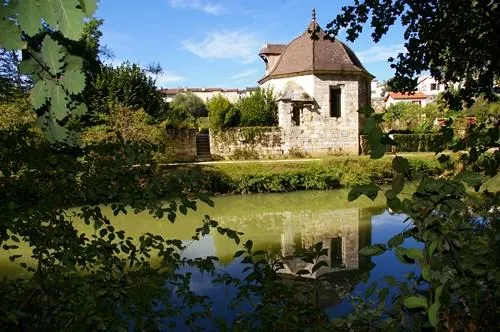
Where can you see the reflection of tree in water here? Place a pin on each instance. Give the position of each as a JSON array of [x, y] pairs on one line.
[[284, 234]]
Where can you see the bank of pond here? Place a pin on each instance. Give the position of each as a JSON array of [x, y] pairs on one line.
[[281, 225]]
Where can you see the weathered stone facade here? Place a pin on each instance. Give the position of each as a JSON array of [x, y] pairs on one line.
[[181, 144], [251, 142]]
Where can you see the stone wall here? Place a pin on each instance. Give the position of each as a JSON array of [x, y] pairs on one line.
[[246, 142], [181, 144]]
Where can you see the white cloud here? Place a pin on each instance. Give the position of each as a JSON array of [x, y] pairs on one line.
[[167, 77], [236, 45], [379, 53], [245, 74], [207, 7]]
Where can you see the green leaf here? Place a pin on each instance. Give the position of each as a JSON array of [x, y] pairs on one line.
[[73, 63], [29, 16], [401, 165], [433, 314], [373, 250], [471, 178], [370, 190], [89, 7], [238, 253], [27, 66], [438, 292], [434, 244], [40, 94], [73, 81], [416, 254], [58, 103], [398, 183], [414, 302], [396, 240], [371, 289], [400, 252], [10, 36], [52, 54], [390, 280], [426, 272], [70, 18]]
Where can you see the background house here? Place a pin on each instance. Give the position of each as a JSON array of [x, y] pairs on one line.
[[397, 97], [206, 93]]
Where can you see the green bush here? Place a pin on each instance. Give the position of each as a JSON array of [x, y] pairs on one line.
[[189, 103], [233, 118], [410, 143], [132, 125], [258, 109], [218, 107], [411, 117]]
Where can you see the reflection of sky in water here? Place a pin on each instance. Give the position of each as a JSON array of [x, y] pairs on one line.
[[383, 227]]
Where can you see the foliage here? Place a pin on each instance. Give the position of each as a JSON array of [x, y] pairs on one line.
[[485, 111], [12, 84], [129, 85], [458, 234], [189, 103], [218, 107], [455, 41], [258, 109], [130, 124], [411, 117], [56, 73], [232, 118]]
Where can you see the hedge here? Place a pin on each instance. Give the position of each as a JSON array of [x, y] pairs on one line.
[[409, 143]]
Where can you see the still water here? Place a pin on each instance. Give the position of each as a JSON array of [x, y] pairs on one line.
[[280, 224]]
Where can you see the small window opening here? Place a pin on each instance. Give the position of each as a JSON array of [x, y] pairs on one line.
[[434, 86], [335, 103], [296, 115], [336, 252]]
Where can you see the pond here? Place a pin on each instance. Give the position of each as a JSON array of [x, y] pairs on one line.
[[281, 224]]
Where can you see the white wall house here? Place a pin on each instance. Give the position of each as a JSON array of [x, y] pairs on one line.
[[429, 86], [206, 93], [415, 98], [321, 85]]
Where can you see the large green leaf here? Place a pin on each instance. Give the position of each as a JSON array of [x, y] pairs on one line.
[[89, 7], [370, 190], [70, 18], [52, 54], [73, 81], [58, 107], [10, 35], [401, 165], [29, 16], [414, 302], [374, 250], [396, 240], [40, 94], [73, 62], [433, 314], [470, 178]]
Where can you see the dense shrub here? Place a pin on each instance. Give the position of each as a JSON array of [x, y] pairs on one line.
[[484, 110], [258, 109], [189, 103], [233, 118], [410, 143], [131, 124], [218, 107], [411, 117]]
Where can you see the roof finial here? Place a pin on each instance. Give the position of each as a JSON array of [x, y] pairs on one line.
[[314, 15]]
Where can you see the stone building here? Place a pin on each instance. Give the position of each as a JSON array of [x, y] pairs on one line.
[[321, 85]]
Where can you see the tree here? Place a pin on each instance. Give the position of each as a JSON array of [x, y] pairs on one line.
[[258, 109], [218, 107], [189, 103], [129, 85], [456, 40]]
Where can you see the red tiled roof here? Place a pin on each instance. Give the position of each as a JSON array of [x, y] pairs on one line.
[[400, 95]]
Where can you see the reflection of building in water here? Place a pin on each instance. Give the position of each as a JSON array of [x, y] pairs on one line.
[[343, 232]]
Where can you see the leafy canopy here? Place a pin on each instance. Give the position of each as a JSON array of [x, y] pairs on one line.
[[456, 40]]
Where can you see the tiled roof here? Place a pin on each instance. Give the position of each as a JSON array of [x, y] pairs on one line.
[[173, 91], [399, 95], [273, 49], [313, 51]]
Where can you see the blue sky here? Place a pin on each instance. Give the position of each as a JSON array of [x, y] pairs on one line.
[[215, 43]]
